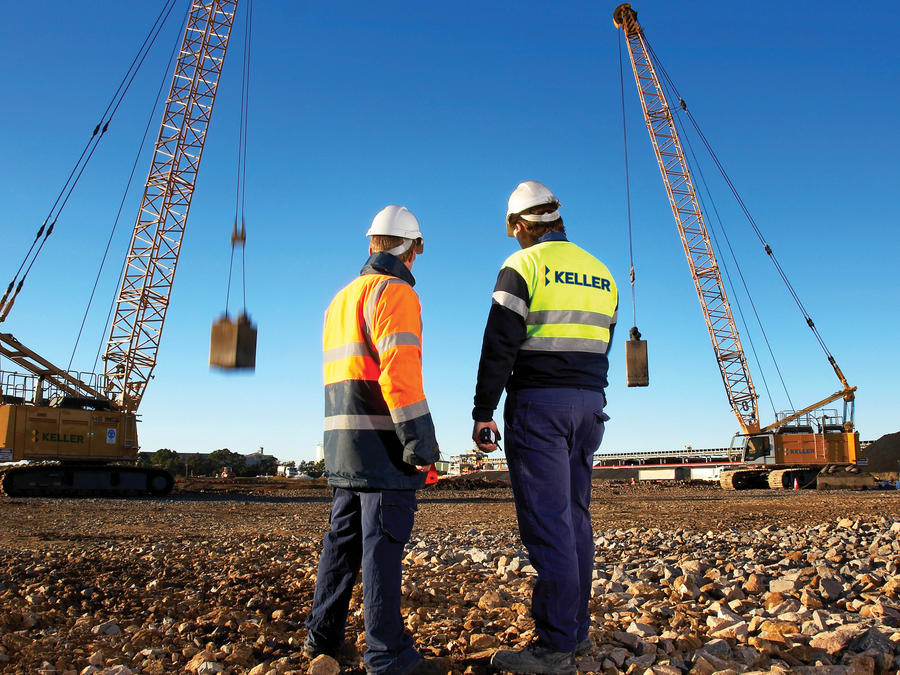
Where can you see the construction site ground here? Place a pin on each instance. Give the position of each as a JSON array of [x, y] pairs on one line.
[[223, 570]]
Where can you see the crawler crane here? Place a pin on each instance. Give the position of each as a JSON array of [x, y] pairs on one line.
[[79, 431], [802, 447]]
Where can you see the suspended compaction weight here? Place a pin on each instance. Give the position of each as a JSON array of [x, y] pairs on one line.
[[232, 343], [637, 369]]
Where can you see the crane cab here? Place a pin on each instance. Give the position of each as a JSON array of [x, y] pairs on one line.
[[809, 440], [51, 425]]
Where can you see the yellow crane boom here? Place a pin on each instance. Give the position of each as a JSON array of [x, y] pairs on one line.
[[156, 241], [691, 226]]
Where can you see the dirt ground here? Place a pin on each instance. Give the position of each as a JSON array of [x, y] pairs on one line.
[[255, 507], [231, 543]]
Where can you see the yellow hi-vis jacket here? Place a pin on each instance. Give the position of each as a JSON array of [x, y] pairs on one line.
[[377, 423], [551, 322]]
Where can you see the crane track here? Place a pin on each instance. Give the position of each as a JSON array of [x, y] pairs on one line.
[[84, 480], [799, 477], [743, 479]]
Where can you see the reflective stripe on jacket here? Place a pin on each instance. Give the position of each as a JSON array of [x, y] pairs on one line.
[[377, 423], [551, 322]]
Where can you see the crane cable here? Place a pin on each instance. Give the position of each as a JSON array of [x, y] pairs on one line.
[[740, 273], [718, 220], [635, 333], [46, 228], [128, 185], [715, 242], [757, 231], [239, 236]]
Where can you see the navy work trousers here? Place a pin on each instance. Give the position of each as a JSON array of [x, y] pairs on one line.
[[368, 529], [551, 436]]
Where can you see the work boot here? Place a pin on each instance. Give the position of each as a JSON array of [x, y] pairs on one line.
[[427, 667], [346, 654], [584, 647], [422, 666], [534, 659]]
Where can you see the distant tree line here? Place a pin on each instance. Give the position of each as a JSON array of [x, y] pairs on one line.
[[195, 464], [310, 468]]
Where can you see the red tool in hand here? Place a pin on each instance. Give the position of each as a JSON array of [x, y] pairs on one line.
[[432, 476]]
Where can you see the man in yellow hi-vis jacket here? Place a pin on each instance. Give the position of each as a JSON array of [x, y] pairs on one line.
[[547, 336], [379, 444]]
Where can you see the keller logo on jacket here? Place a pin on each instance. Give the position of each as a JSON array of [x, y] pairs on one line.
[[576, 279]]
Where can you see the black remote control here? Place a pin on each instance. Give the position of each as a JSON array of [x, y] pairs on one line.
[[486, 436]]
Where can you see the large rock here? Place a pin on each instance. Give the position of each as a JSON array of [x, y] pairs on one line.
[[831, 587], [783, 585], [755, 584], [324, 665], [832, 641], [106, 628], [490, 600]]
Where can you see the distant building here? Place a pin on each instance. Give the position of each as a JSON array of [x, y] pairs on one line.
[[473, 461], [256, 457]]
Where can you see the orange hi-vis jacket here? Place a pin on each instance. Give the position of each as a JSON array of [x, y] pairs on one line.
[[377, 424]]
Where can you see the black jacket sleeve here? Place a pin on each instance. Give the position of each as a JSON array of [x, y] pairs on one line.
[[503, 335]]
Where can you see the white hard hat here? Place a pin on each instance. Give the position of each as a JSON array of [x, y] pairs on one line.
[[397, 221], [528, 195]]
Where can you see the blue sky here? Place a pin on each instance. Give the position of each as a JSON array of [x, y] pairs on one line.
[[445, 108]]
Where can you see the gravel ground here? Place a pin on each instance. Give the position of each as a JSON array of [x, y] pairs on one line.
[[219, 578]]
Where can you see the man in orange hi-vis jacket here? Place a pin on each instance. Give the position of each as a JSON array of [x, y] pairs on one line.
[[379, 445]]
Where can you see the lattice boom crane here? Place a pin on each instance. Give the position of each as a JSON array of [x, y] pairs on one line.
[[156, 242], [793, 453], [88, 425], [689, 218]]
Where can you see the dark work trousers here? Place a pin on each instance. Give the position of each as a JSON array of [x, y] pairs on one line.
[[368, 529], [551, 436]]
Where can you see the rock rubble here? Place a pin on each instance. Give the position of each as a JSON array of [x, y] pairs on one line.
[[119, 588]]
